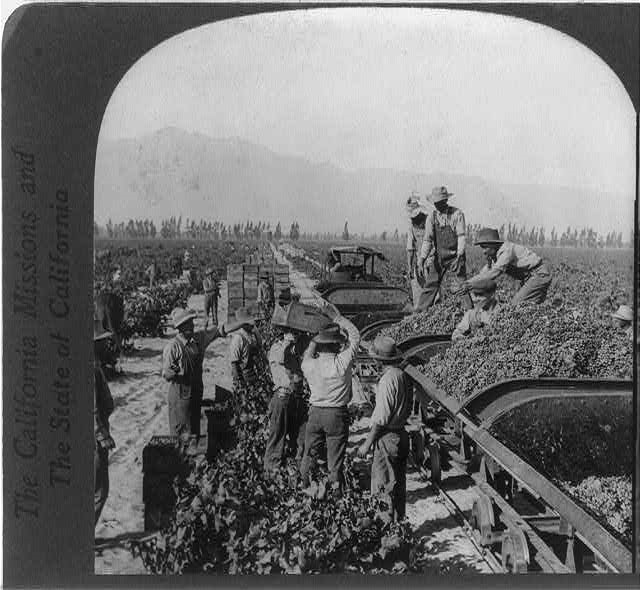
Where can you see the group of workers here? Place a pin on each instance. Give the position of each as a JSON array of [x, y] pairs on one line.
[[317, 430]]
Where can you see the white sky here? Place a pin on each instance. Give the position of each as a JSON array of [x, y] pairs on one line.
[[420, 90]]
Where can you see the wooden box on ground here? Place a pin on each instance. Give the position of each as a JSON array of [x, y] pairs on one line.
[[300, 317], [162, 462]]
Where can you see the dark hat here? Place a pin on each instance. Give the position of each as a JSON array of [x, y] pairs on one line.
[[488, 236], [99, 333], [245, 316], [439, 193], [384, 349], [330, 335]]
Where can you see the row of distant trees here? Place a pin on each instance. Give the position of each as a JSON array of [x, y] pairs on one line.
[[174, 228]]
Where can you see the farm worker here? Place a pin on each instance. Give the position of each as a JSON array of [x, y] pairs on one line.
[[151, 273], [101, 411], [327, 365], [443, 247], [176, 265], [287, 408], [265, 295], [211, 294], [418, 216], [390, 440], [182, 361], [623, 319], [333, 262], [245, 351], [485, 306], [516, 261]]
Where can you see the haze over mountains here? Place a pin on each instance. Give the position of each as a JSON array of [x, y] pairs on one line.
[[174, 172]]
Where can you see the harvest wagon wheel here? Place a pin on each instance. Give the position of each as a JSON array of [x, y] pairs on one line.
[[515, 552], [434, 462], [482, 519]]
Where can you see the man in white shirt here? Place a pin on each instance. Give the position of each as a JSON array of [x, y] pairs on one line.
[[394, 400], [327, 366], [516, 261], [623, 319]]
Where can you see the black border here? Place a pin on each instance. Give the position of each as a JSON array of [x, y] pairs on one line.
[[60, 66]]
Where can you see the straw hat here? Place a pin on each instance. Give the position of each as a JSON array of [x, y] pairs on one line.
[[330, 335], [414, 207], [180, 315], [488, 236], [439, 193], [384, 349], [99, 333], [624, 313]]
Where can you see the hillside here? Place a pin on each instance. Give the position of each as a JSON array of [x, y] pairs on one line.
[[173, 172]]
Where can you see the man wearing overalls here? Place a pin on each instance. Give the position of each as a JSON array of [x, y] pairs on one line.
[[443, 248]]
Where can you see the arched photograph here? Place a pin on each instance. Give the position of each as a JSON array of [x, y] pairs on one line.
[[364, 300]]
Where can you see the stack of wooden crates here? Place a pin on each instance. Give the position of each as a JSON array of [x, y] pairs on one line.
[[242, 283]]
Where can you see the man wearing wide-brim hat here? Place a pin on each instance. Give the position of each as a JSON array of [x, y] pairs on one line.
[[245, 350], [623, 319], [418, 216], [182, 361], [288, 410], [485, 307], [518, 262], [443, 247], [394, 400], [327, 365], [211, 294], [103, 408]]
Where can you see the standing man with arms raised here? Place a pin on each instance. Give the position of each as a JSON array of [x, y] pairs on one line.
[[394, 400], [327, 365], [443, 247]]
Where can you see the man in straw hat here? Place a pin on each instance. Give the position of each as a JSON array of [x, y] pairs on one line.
[[327, 365], [394, 400], [287, 408], [443, 247], [623, 319], [485, 306], [516, 261], [211, 294], [245, 350], [182, 361], [102, 410], [418, 216]]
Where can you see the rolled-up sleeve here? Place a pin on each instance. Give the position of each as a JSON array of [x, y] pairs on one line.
[[345, 359], [385, 393], [171, 357]]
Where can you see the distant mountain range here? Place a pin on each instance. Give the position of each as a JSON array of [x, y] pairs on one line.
[[174, 172]]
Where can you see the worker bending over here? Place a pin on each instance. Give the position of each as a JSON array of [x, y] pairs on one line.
[[517, 262], [485, 306]]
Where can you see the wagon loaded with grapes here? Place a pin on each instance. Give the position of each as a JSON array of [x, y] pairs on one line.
[[549, 458]]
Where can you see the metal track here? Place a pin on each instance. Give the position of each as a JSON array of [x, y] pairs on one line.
[[604, 545]]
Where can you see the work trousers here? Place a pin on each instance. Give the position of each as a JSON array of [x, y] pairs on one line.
[[534, 287], [389, 471], [287, 427], [329, 426], [179, 405], [433, 280], [101, 479], [211, 305], [195, 405]]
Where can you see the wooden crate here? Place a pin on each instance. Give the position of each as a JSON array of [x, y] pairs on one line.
[[235, 271], [251, 269], [235, 291]]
